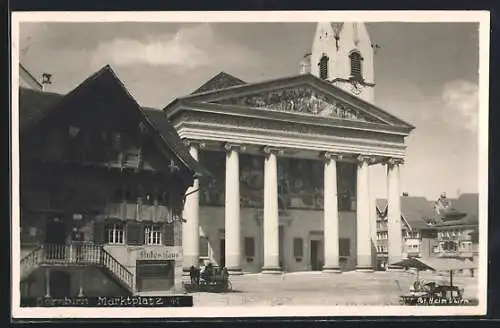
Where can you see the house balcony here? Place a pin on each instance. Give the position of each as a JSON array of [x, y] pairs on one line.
[[137, 211], [77, 254], [413, 253], [456, 254]]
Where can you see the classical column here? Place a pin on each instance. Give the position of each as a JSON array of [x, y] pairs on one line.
[[47, 282], [271, 212], [232, 209], [190, 228], [331, 214], [373, 220], [363, 214], [395, 238]]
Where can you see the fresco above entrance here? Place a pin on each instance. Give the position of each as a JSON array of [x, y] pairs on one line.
[[300, 182]]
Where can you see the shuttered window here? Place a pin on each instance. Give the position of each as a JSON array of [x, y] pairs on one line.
[[356, 60], [249, 246], [135, 233], [344, 247], [99, 232], [169, 234], [298, 247], [323, 67], [204, 247], [117, 142]]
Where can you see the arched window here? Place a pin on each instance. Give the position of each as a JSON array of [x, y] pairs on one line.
[[323, 67], [356, 69]]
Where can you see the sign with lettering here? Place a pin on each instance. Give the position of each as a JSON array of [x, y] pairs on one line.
[[159, 253]]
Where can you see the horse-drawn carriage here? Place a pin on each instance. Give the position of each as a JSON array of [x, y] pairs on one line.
[[209, 279]]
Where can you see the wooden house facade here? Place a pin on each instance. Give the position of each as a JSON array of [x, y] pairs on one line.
[[102, 185]]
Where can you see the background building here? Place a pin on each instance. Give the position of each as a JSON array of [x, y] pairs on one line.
[[456, 234], [444, 228], [416, 212]]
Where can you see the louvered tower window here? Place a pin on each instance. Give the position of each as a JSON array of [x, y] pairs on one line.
[[356, 60], [323, 67]]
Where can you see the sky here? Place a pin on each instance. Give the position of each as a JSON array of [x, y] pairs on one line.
[[425, 73]]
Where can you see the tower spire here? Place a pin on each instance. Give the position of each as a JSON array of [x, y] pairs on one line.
[[342, 54]]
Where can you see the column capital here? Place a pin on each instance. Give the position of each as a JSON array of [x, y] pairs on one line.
[[194, 143], [233, 146], [272, 150], [364, 159], [327, 156], [393, 161]]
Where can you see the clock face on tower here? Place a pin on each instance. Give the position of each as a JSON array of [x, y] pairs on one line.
[[356, 88]]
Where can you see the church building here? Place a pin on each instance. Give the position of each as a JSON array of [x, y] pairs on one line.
[[290, 160]]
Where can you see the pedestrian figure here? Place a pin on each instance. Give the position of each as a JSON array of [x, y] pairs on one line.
[[77, 242], [192, 274]]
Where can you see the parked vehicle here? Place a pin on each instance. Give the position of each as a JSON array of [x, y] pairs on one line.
[[210, 279], [433, 294]]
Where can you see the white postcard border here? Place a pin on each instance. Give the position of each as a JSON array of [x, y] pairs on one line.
[[481, 17]]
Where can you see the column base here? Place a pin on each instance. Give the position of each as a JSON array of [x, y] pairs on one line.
[[272, 270], [235, 272], [365, 269], [331, 269]]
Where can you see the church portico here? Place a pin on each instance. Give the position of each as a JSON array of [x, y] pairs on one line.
[[291, 162], [269, 233]]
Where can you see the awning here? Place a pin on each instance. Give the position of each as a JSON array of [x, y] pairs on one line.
[[438, 264]]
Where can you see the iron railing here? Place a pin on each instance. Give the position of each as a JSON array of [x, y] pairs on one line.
[[30, 262], [77, 253]]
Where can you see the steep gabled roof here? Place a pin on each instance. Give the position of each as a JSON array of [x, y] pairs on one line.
[[35, 107], [415, 210], [24, 73], [56, 103], [468, 205], [161, 124], [220, 81]]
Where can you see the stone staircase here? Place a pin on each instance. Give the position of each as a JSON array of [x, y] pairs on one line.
[[82, 254]]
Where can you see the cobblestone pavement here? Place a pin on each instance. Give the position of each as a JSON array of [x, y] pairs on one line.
[[317, 288]]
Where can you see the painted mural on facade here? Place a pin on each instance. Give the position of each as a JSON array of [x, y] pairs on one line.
[[300, 182]]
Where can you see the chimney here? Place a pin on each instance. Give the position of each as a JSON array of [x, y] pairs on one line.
[[46, 80]]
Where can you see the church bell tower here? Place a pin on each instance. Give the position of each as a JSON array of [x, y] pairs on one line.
[[342, 54]]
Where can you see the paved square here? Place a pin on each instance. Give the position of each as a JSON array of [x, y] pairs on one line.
[[317, 288]]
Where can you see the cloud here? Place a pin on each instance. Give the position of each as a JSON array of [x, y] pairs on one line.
[[461, 101], [190, 47]]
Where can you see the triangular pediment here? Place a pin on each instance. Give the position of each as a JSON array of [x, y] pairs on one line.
[[303, 95]]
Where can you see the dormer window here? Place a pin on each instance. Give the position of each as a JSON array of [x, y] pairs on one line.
[[73, 131], [356, 69], [323, 67]]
